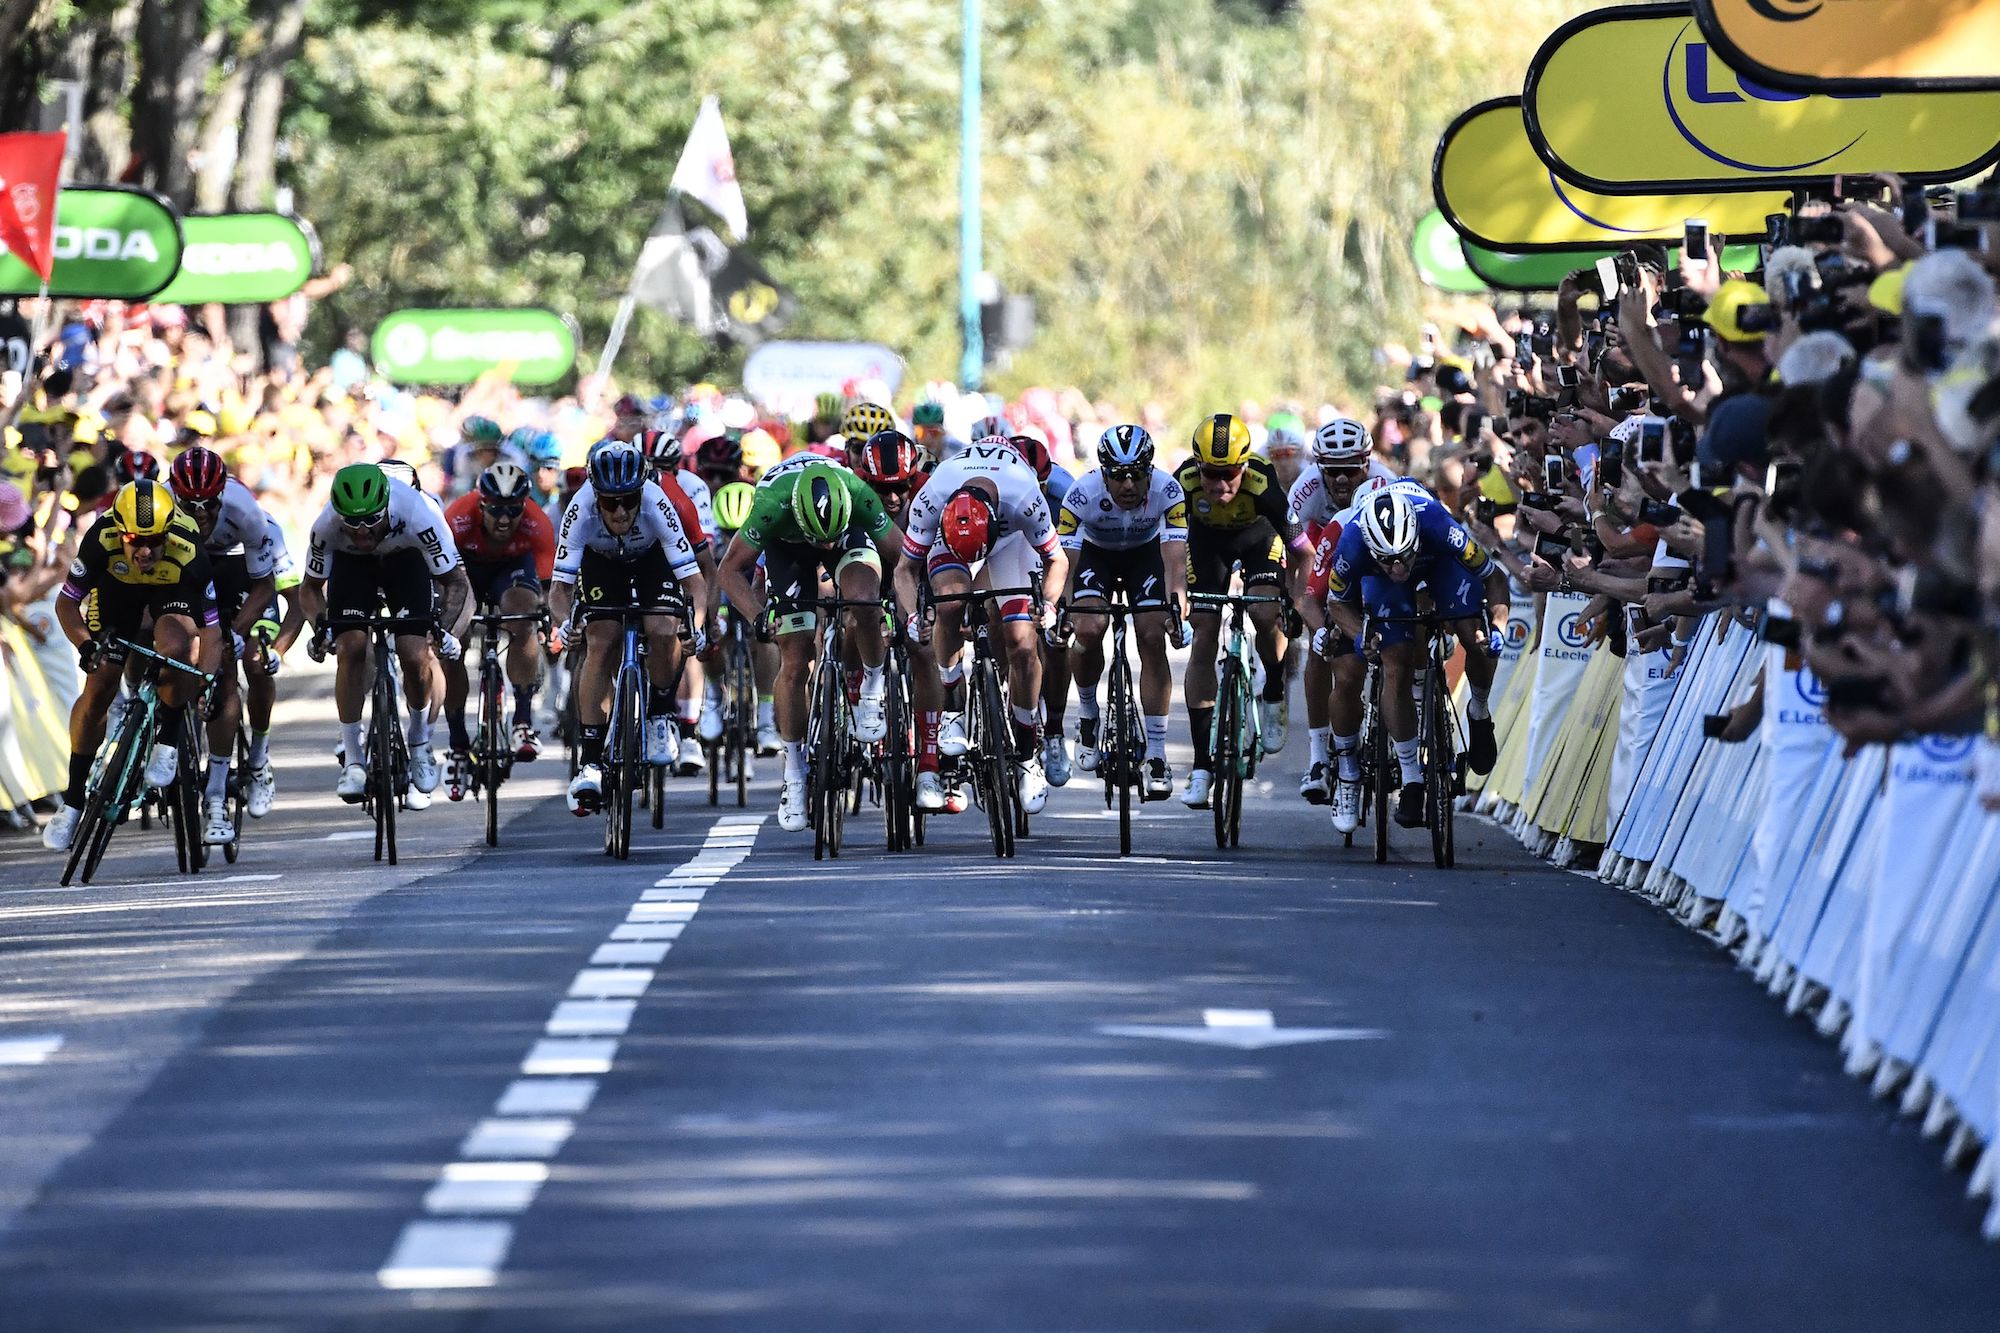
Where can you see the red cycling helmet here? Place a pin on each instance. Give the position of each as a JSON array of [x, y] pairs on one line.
[[198, 474], [662, 449], [889, 458], [967, 525], [1034, 453], [628, 407], [135, 465]]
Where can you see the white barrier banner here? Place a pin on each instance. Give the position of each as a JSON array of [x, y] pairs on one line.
[[1650, 679], [1565, 652]]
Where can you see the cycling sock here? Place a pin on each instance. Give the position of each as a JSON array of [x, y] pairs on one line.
[[218, 780], [1406, 756], [524, 705], [795, 761], [1086, 701], [1475, 703], [590, 745], [659, 703], [1027, 730], [928, 720], [454, 721], [1319, 738], [419, 731], [79, 779], [1202, 722], [873, 682], [1347, 749], [1156, 737], [1274, 686], [260, 748], [767, 711], [169, 733], [350, 742]]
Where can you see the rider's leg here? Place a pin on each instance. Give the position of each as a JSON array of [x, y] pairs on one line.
[[1399, 707], [1199, 683], [593, 686], [350, 689], [456, 688], [414, 651], [861, 580], [87, 718], [1343, 712], [1479, 666], [260, 696], [1156, 679], [795, 654], [1270, 648], [522, 669], [222, 733], [1316, 680], [1024, 682]]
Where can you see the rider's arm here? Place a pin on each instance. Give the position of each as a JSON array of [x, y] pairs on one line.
[[457, 613], [262, 590], [69, 616], [734, 574], [562, 601]]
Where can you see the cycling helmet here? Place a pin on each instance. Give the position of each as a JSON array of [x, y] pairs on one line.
[[545, 450], [829, 407], [135, 465], [1342, 440], [360, 490], [523, 438], [1221, 441], [993, 442], [821, 505], [732, 505], [721, 454], [991, 425], [198, 474], [479, 430], [628, 407], [889, 458], [617, 469], [930, 412], [1125, 446], [505, 482], [142, 508], [396, 469], [865, 419], [966, 526], [1034, 453], [661, 448], [1284, 435], [1389, 525]]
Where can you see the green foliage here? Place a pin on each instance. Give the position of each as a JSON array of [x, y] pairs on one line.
[[1206, 203]]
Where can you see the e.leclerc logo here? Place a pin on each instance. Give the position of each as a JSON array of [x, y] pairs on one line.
[[1811, 688], [1946, 749], [1570, 630], [1694, 102]]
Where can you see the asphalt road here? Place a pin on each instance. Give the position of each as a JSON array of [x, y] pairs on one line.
[[722, 1087]]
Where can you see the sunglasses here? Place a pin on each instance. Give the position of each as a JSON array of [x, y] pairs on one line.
[[505, 510], [364, 524], [1127, 473], [201, 506], [1221, 473], [618, 503]]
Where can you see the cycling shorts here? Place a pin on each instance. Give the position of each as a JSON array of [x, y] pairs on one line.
[[360, 585], [491, 578], [232, 584], [645, 580], [1140, 572], [1012, 563], [1456, 594], [1214, 552], [123, 608], [792, 570]]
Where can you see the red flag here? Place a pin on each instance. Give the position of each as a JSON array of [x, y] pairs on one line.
[[30, 167]]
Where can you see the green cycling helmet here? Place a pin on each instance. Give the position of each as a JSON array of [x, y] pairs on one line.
[[732, 505], [479, 430], [360, 490], [821, 505], [930, 412]]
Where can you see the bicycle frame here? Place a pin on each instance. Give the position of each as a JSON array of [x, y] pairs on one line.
[[1120, 738], [496, 758], [624, 736], [1237, 737], [988, 720], [1437, 736], [388, 751]]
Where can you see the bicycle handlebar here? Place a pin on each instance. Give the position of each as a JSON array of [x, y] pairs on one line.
[[140, 650], [677, 608], [981, 594], [388, 624]]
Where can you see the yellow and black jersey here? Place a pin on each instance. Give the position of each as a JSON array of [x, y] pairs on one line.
[[102, 559], [1261, 496]]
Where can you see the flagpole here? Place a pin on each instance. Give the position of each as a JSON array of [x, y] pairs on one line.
[[973, 362], [35, 327], [623, 319]]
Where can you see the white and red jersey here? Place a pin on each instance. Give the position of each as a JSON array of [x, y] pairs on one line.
[[1021, 507], [1311, 503]]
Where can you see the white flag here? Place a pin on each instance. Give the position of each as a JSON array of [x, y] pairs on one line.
[[708, 173]]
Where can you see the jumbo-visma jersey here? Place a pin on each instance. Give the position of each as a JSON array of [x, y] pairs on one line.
[[1440, 539], [101, 558]]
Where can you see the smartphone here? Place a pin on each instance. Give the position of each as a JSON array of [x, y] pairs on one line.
[[1694, 477], [1757, 317], [1475, 426], [1694, 243], [1777, 229], [1593, 349], [1780, 631], [1552, 549], [1627, 399], [1524, 355], [1949, 236], [1714, 724], [1611, 465], [1627, 266], [1782, 475], [1861, 189], [1568, 377], [1658, 513], [1926, 349], [1553, 474], [1818, 231], [1607, 276], [1972, 206], [1652, 442], [1853, 693]]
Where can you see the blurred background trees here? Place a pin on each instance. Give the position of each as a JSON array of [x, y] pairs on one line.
[[1208, 199]]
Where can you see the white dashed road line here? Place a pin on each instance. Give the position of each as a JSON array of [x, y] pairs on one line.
[[504, 1160], [29, 1050]]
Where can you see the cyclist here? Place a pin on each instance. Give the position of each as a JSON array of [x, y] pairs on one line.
[[624, 542], [1125, 526], [861, 423], [1343, 456], [628, 417], [719, 462], [1055, 482], [927, 425], [982, 520], [381, 542], [480, 445], [235, 534], [142, 558], [1396, 543], [509, 550], [1284, 443], [1237, 517], [732, 506], [662, 449], [807, 518]]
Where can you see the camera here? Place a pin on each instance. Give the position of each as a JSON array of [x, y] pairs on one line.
[[1818, 231], [1658, 513], [1757, 317], [1780, 631], [1950, 236], [1981, 205]]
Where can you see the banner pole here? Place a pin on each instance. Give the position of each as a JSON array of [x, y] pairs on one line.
[[623, 319]]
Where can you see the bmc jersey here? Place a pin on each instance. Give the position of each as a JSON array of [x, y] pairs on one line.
[[1441, 540], [1090, 514], [1021, 508], [240, 530], [415, 524], [532, 536], [657, 522]]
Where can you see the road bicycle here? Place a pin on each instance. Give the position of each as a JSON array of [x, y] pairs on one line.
[[731, 752], [899, 756], [1121, 743], [988, 720], [836, 767], [492, 747], [1237, 739], [1437, 742], [626, 772], [388, 750]]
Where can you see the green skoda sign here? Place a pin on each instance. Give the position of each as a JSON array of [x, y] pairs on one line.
[[459, 346], [1441, 258], [121, 245], [1544, 270], [241, 259]]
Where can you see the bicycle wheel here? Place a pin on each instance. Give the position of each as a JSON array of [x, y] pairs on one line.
[[826, 787], [1440, 770], [1379, 759], [492, 760], [234, 793], [1120, 763], [105, 799], [997, 770], [623, 772], [1247, 744], [387, 791], [1225, 758], [898, 769], [837, 763]]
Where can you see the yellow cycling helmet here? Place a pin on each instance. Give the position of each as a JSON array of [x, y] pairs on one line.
[[864, 419], [1730, 298], [1222, 441], [142, 509]]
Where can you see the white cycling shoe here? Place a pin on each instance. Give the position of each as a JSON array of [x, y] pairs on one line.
[[792, 805], [1055, 761], [161, 766], [710, 726], [60, 831], [1346, 806], [952, 738], [424, 772], [1271, 725], [221, 831], [660, 746], [769, 742], [1195, 795], [263, 791], [692, 760], [1087, 753], [1033, 786], [871, 718], [353, 784], [586, 789], [930, 791]]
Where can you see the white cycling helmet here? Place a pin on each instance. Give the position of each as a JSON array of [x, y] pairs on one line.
[[992, 442], [1342, 440], [1389, 525], [989, 426], [1125, 446]]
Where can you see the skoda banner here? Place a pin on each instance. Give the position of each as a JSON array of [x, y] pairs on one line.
[[1843, 46], [118, 244], [791, 374], [1495, 191], [1544, 270], [1679, 118], [242, 259], [1440, 257], [459, 346]]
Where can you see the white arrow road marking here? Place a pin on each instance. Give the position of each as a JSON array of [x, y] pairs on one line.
[[29, 1050], [1240, 1029]]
